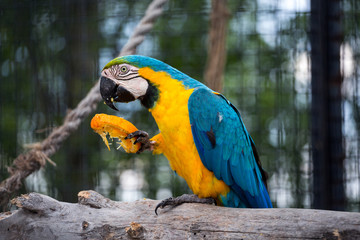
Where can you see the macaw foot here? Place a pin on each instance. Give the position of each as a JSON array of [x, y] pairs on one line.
[[185, 198], [143, 138]]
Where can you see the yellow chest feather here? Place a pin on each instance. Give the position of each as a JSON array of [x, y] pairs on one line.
[[172, 117]]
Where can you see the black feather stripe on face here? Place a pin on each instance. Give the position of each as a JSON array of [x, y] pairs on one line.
[[123, 95], [151, 96]]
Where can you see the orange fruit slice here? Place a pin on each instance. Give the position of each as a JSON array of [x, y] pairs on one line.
[[115, 127]]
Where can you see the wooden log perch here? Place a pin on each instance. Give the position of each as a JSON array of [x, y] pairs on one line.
[[96, 217]]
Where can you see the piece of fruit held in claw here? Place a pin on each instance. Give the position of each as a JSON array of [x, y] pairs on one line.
[[116, 127]]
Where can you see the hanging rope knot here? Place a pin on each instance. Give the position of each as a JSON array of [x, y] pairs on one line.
[[30, 161]]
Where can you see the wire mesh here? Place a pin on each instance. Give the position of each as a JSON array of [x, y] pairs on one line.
[[55, 52]]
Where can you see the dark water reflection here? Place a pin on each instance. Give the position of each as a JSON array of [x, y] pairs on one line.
[[52, 53]]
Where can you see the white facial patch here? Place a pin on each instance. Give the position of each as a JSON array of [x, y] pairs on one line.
[[129, 80], [106, 73], [137, 86]]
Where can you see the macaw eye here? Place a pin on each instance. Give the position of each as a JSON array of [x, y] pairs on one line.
[[123, 69]]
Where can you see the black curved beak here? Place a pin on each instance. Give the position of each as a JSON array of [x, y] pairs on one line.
[[112, 92], [108, 91]]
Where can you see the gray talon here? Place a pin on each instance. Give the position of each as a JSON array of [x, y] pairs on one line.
[[185, 198], [143, 138]]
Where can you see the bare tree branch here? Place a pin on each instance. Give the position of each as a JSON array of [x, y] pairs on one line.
[[96, 217]]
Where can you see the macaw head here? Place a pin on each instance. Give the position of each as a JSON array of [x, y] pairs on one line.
[[121, 81], [127, 78]]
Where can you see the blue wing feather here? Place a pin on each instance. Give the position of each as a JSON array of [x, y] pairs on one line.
[[231, 158]]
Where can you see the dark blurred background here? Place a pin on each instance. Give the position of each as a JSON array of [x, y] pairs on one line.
[[51, 54]]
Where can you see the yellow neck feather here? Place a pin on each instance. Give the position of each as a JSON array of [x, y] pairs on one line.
[[172, 117]]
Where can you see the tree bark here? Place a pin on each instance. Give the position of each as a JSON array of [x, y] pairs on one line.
[[96, 217], [217, 45]]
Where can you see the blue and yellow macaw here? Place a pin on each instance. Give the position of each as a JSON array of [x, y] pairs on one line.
[[201, 132]]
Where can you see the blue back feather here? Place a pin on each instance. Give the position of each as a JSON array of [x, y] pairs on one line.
[[231, 158]]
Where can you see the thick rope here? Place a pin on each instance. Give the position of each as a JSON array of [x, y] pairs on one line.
[[34, 159], [146, 24]]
